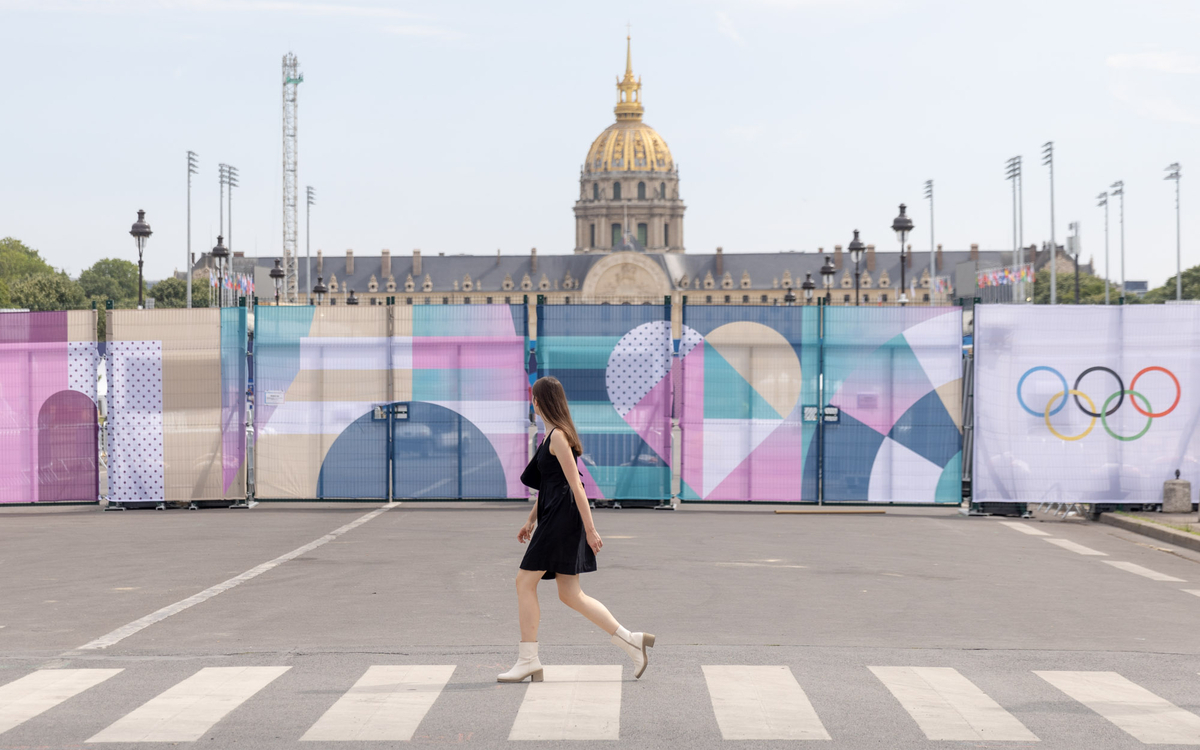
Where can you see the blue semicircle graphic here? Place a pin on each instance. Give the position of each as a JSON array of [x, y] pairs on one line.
[[438, 454]]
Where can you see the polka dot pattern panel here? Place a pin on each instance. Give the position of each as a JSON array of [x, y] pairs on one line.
[[135, 421], [83, 362]]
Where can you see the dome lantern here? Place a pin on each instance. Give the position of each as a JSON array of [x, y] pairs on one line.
[[629, 91]]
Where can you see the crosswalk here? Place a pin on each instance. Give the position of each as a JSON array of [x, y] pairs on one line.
[[583, 702]]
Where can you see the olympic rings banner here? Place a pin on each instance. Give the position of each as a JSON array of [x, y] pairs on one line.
[[1085, 404]]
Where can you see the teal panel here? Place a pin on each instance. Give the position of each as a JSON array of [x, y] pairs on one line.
[[575, 352], [727, 395], [632, 482], [468, 384], [686, 492], [598, 418], [949, 487]]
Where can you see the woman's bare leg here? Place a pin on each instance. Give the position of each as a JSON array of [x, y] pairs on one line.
[[573, 596], [528, 612]]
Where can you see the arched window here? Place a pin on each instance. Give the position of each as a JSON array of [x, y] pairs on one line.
[[593, 242], [662, 190], [641, 191], [642, 234], [616, 191], [616, 235], [595, 191], [666, 235]]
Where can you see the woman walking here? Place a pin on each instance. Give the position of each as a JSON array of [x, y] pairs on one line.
[[562, 537]]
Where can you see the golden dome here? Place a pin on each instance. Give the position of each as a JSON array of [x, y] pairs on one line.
[[629, 145]]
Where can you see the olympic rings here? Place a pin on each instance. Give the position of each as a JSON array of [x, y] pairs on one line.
[[1133, 396], [1178, 392], [1058, 434], [1105, 412]]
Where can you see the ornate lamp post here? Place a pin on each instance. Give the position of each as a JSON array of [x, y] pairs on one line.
[[277, 277], [789, 299], [902, 225], [141, 232], [808, 286], [827, 272], [319, 289], [221, 254], [855, 249], [352, 300]]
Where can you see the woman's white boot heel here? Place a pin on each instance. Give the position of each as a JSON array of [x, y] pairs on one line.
[[634, 644], [527, 665]]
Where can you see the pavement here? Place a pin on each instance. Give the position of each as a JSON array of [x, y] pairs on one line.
[[918, 628]]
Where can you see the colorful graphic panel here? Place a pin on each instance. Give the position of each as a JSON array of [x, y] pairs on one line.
[[176, 418], [322, 371], [741, 388], [895, 376], [614, 362], [48, 424], [1084, 404]]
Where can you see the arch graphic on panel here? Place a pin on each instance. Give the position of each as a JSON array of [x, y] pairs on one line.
[[67, 448]]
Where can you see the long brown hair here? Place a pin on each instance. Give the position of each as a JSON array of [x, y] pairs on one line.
[[552, 401]]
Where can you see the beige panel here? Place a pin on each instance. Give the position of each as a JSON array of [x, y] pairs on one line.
[[338, 385], [349, 321], [288, 466], [951, 396], [81, 325], [402, 320], [403, 385], [764, 358]]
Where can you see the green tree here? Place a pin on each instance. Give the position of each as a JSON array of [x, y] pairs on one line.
[[111, 278], [5, 299], [1091, 288], [18, 261], [1191, 287], [45, 292], [172, 292]]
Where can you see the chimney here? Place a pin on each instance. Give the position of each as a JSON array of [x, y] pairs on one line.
[[974, 251], [320, 261], [497, 256], [837, 257], [239, 253], [385, 268], [533, 260], [720, 262], [908, 258], [870, 257], [938, 260], [349, 263], [416, 262]]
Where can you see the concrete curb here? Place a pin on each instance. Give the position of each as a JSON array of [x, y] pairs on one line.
[[1153, 530]]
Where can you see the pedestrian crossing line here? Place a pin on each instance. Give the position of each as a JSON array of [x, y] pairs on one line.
[[1077, 548], [948, 706], [1194, 592], [761, 703], [185, 712], [1024, 528], [387, 703], [581, 702], [1153, 575], [1131, 707], [36, 693]]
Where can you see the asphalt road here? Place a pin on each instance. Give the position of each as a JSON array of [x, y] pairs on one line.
[[1001, 613]]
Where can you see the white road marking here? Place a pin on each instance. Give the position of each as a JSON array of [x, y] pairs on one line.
[[125, 631], [948, 706], [1195, 592], [387, 703], [574, 703], [761, 703], [23, 699], [1153, 575], [1024, 528], [1134, 709], [1076, 548], [758, 565], [186, 712]]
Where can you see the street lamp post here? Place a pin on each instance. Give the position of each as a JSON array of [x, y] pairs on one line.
[[1048, 160], [193, 168], [1013, 172], [855, 248], [319, 289], [141, 232], [789, 299], [808, 286], [932, 255], [1074, 247], [352, 300], [827, 272], [312, 199], [277, 278], [1173, 171], [1119, 189], [231, 175], [902, 225], [221, 254], [1103, 197]]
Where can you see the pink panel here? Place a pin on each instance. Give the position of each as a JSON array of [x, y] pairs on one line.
[[691, 421], [466, 352], [887, 409], [30, 373], [651, 418], [773, 471]]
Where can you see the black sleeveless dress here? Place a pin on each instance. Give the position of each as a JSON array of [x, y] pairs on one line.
[[559, 543]]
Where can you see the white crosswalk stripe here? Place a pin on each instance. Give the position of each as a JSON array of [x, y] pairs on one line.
[[948, 706], [1078, 549], [761, 703], [573, 703], [1024, 528], [1133, 708], [387, 703], [1153, 575], [33, 694], [185, 712]]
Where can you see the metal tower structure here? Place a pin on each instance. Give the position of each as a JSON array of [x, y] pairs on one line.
[[292, 78]]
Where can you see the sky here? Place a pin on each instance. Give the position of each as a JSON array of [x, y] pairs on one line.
[[460, 127]]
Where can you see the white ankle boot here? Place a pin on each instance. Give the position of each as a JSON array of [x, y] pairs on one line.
[[634, 644], [527, 665]]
